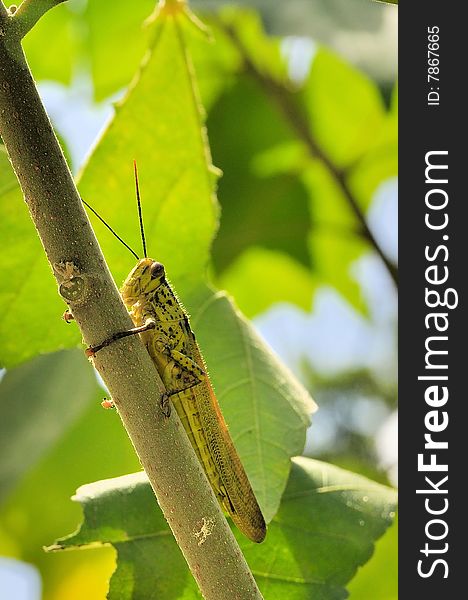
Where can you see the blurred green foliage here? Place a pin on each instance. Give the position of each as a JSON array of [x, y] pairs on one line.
[[285, 230]]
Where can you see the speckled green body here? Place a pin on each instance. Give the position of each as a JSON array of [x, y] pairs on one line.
[[175, 352]]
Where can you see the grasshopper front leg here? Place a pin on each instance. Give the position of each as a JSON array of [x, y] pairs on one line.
[[91, 350], [149, 324]]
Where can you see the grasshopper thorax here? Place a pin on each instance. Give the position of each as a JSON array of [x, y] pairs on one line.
[[143, 280]]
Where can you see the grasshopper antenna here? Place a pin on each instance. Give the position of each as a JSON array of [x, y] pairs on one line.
[[140, 215], [110, 229]]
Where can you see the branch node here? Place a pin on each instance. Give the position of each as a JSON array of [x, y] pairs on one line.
[[28, 13], [75, 286]]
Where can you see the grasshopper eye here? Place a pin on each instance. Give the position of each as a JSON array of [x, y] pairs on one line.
[[157, 270]]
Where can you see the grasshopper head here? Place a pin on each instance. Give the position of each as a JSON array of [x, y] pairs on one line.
[[145, 278]]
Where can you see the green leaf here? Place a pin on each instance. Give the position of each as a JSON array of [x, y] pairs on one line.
[[379, 577], [334, 256], [260, 278], [324, 530], [394, 102], [39, 401], [335, 242], [158, 123], [380, 162], [333, 239], [217, 62], [114, 64], [345, 108], [51, 45], [264, 50]]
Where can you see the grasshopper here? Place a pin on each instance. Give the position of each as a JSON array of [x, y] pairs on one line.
[[165, 329]]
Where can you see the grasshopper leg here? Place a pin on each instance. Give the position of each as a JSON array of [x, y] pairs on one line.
[[165, 405], [91, 350], [188, 365], [182, 360]]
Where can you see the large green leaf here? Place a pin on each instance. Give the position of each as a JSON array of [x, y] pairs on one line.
[[323, 531], [159, 124], [52, 45], [39, 401]]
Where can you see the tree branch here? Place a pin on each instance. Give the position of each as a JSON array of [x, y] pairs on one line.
[[28, 14], [290, 110], [162, 445]]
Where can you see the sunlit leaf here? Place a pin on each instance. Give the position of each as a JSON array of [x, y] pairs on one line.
[[379, 577], [324, 530], [260, 278], [345, 109], [52, 45]]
